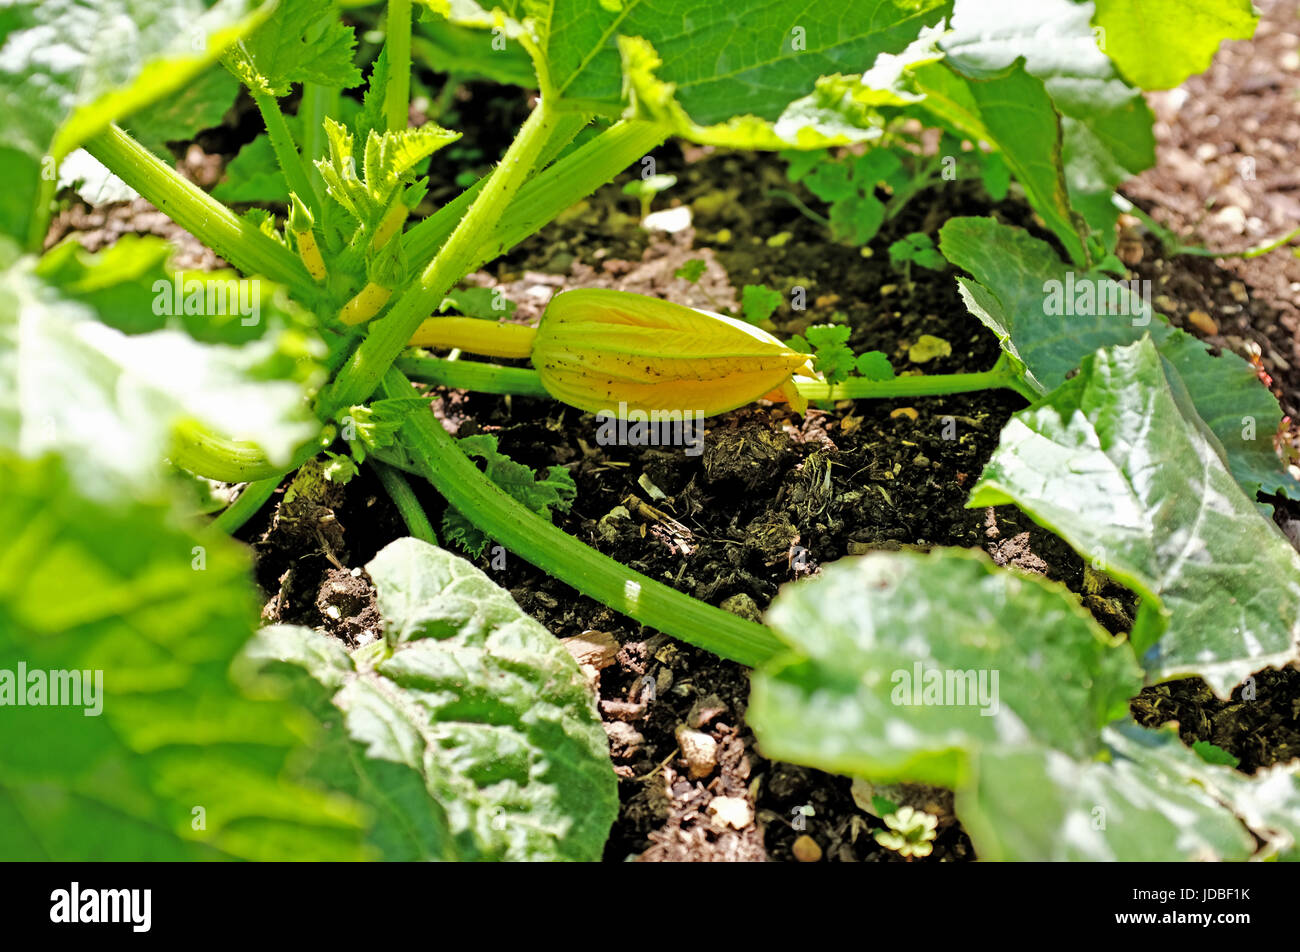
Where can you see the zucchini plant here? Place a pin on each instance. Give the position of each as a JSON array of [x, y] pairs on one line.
[[466, 732]]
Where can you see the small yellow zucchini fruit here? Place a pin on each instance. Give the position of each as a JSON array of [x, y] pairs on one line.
[[300, 223]]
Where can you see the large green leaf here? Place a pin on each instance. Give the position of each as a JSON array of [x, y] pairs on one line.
[[469, 727], [68, 68], [1035, 305], [1040, 780], [1109, 463], [1011, 110], [1106, 124], [1148, 802], [167, 758], [1159, 43], [111, 402], [850, 699], [704, 69]]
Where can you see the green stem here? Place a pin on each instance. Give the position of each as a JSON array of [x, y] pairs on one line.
[[361, 375], [399, 490], [1268, 245], [286, 153], [397, 94], [930, 385], [317, 103], [472, 375], [798, 203], [434, 455], [521, 381], [252, 499], [1172, 245], [237, 240], [560, 186]]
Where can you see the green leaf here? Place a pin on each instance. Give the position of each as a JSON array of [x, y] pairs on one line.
[[690, 64], [469, 728], [692, 270], [758, 303], [1039, 805], [200, 105], [304, 41], [391, 156], [869, 637], [1159, 43], [389, 161], [1011, 110], [1109, 463], [1040, 778], [875, 365], [1105, 123], [465, 52], [857, 218], [111, 58], [1049, 318], [253, 175], [176, 762], [487, 304], [834, 360], [554, 491], [1214, 754], [110, 401], [917, 247]]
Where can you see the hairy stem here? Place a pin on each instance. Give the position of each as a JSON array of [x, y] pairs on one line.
[[286, 153], [235, 239], [432, 453], [397, 94]]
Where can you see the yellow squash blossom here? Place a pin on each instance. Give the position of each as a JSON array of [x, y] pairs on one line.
[[596, 349]]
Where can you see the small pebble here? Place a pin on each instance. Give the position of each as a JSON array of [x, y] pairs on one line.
[[1203, 322], [699, 750], [734, 812], [806, 849]]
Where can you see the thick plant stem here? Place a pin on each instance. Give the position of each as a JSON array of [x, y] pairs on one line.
[[399, 490], [491, 378], [361, 375], [254, 496], [286, 153], [569, 180], [433, 454], [397, 94], [235, 239]]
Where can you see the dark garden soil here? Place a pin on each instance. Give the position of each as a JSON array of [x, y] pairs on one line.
[[774, 496]]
